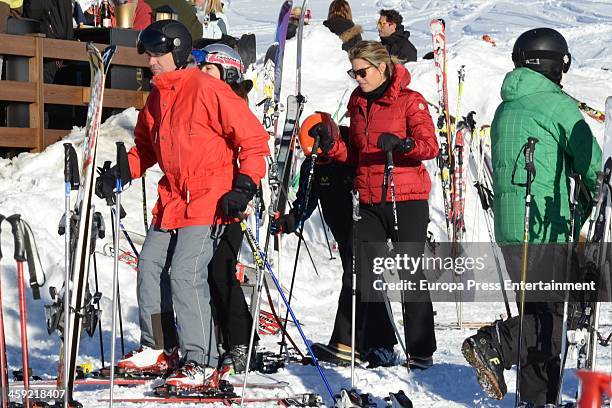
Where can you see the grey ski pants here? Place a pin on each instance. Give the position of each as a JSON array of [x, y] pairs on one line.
[[172, 275]]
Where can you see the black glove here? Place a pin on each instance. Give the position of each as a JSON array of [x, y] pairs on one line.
[[285, 223], [388, 142], [107, 180], [235, 202], [325, 140]]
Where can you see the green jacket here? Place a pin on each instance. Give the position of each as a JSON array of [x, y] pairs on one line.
[[534, 106], [186, 14]]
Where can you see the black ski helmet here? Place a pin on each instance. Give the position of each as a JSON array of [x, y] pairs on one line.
[[544, 50], [164, 36]]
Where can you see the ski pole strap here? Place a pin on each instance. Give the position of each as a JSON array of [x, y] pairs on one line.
[[485, 195], [23, 250], [529, 161], [71, 167], [528, 150]]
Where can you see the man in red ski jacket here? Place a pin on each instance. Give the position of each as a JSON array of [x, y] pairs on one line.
[[190, 126]]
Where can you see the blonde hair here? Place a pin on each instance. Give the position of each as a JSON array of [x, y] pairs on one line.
[[215, 6], [375, 53], [339, 8]]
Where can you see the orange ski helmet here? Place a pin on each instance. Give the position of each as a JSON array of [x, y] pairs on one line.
[[307, 141]]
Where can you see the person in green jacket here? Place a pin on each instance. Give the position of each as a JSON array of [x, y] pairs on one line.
[[534, 105]]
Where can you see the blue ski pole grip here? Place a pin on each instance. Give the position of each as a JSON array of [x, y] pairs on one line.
[[18, 236]]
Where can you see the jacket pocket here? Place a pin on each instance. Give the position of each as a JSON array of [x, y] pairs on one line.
[[203, 194]]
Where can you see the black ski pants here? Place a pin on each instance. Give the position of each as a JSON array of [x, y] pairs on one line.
[[376, 225], [229, 308], [542, 327]]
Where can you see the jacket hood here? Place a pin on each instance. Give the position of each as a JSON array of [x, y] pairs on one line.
[[351, 33], [524, 81]]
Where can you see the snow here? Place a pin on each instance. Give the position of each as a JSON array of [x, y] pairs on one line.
[[32, 184]]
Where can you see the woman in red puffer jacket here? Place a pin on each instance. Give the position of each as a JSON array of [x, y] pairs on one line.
[[388, 119]]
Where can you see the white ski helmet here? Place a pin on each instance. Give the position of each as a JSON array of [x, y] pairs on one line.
[[225, 58]]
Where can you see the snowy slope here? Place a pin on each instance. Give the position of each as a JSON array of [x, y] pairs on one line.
[[32, 184]]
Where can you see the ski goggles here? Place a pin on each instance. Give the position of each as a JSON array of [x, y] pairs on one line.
[[155, 44]]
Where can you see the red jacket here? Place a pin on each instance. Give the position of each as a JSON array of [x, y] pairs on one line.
[[399, 111], [143, 16], [191, 125]]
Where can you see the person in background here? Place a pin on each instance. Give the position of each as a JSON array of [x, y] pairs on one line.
[[143, 16], [8, 8], [394, 37], [210, 14], [186, 14], [55, 18], [340, 22], [294, 21], [229, 308], [331, 186]]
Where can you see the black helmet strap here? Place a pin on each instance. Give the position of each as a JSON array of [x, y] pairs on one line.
[[523, 56]]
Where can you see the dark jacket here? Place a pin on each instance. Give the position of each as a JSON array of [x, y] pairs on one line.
[[399, 45], [55, 17], [349, 32]]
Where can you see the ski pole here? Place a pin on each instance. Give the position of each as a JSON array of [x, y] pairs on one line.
[[125, 233], [121, 159], [313, 158], [255, 248], [260, 279], [144, 203], [391, 183], [356, 218], [331, 255], [20, 257], [71, 182], [574, 180], [95, 265], [121, 338], [528, 149], [3, 363]]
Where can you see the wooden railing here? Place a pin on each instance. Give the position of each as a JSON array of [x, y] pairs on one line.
[[36, 93]]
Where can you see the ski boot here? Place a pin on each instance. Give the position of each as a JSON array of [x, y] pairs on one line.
[[147, 362], [234, 361], [380, 357], [334, 355], [192, 377], [481, 353], [352, 399], [398, 400], [419, 363]]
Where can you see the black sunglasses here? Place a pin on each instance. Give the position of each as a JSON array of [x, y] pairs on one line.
[[361, 73]]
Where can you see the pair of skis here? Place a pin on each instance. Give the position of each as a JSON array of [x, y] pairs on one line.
[[82, 219]]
